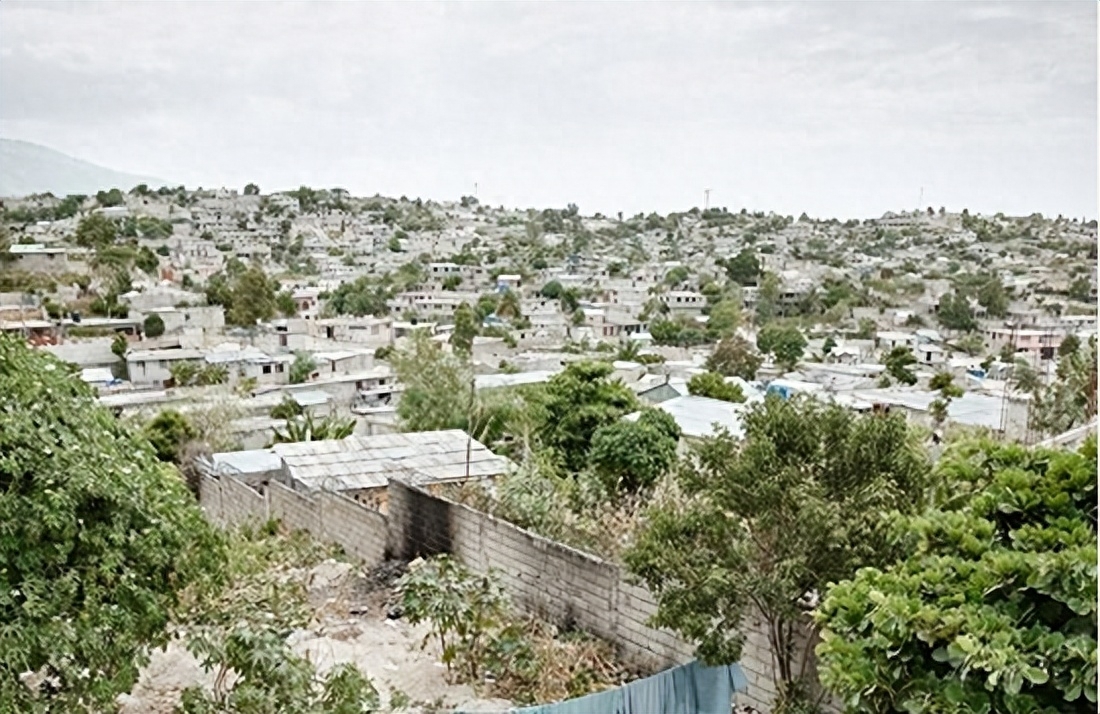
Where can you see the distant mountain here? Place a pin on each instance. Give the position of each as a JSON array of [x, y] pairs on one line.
[[27, 168]]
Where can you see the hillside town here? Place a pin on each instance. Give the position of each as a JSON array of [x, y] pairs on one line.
[[304, 294]]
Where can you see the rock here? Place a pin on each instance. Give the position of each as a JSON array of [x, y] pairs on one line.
[[326, 576]]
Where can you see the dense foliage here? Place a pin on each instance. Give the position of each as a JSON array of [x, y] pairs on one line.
[[580, 400], [784, 341], [96, 538], [993, 609], [631, 455], [712, 385], [771, 521], [735, 357]]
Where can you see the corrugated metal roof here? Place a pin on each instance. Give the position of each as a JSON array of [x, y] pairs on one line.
[[698, 416], [367, 461]]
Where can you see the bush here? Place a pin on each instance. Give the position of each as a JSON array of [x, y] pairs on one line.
[[98, 539], [712, 385], [153, 326], [632, 455]]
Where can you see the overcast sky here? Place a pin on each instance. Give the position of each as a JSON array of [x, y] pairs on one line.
[[843, 109]]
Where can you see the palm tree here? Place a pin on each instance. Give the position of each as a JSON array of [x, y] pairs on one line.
[[629, 351], [304, 428]]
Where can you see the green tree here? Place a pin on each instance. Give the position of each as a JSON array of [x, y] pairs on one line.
[[711, 384], [153, 325], [253, 298], [897, 363], [109, 199], [1080, 290], [743, 268], [770, 521], [509, 307], [735, 357], [437, 386], [551, 291], [785, 341], [1024, 375], [466, 328], [866, 329], [146, 261], [96, 231], [284, 303], [363, 296], [120, 345], [1071, 399], [767, 299], [1070, 345], [954, 313], [992, 296], [632, 455], [98, 539], [579, 400], [992, 606], [286, 409], [168, 432], [971, 343], [251, 189], [724, 319], [302, 367]]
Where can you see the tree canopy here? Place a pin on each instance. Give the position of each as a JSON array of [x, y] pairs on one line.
[[630, 455], [96, 539], [735, 357], [897, 362], [993, 607], [579, 400], [773, 520], [743, 268], [711, 384], [785, 341], [954, 313]]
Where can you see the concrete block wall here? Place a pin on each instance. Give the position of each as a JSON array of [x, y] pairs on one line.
[[228, 502], [296, 511], [357, 529], [561, 584], [331, 517]]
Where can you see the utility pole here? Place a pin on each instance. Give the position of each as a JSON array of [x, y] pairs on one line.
[[706, 198], [475, 189]]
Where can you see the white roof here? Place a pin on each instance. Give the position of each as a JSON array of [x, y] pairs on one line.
[[32, 248], [169, 354], [971, 409], [133, 399], [310, 398], [359, 462], [96, 375], [246, 462], [509, 278], [493, 381], [701, 416]]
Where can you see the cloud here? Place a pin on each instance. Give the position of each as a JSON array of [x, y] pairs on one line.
[[834, 108]]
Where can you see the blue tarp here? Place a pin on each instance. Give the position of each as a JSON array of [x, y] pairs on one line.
[[689, 689]]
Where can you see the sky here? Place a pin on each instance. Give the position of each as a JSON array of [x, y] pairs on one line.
[[838, 109]]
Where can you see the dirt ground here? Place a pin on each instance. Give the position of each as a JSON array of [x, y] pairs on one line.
[[350, 624]]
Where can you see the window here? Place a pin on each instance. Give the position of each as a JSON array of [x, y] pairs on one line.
[[279, 368], [267, 369]]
